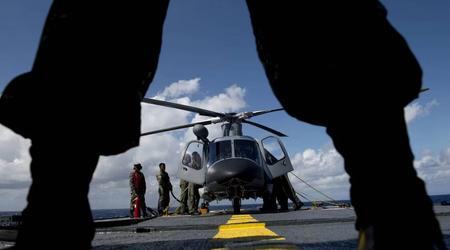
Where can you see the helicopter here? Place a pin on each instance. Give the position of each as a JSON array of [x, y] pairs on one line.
[[233, 166]]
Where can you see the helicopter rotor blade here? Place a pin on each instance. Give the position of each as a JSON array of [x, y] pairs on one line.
[[206, 122], [200, 111], [273, 131], [262, 112], [246, 115]]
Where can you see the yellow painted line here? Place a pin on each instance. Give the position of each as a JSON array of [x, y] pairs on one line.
[[242, 225], [244, 218], [245, 226], [262, 247]]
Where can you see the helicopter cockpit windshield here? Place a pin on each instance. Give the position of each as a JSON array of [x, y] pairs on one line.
[[221, 150], [246, 149], [218, 151]]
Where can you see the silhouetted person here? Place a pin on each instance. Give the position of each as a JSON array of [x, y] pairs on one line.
[[80, 100], [338, 64]]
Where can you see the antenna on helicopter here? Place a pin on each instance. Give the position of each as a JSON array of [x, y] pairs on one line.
[[233, 121]]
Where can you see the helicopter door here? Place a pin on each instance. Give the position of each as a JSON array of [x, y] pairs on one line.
[[276, 157], [192, 167]]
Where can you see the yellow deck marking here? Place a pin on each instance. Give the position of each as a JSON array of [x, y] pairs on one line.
[[245, 226], [242, 218]]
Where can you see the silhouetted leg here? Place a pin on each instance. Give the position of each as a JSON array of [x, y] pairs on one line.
[[197, 196], [279, 193], [143, 206], [268, 196], [160, 200], [340, 64], [385, 190], [166, 201], [132, 204], [282, 200], [184, 198], [192, 198], [183, 208], [290, 192], [58, 214], [97, 59], [94, 64]]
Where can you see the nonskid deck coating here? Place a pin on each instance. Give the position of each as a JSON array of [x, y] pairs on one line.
[[304, 229]]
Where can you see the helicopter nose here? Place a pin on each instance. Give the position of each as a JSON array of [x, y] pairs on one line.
[[239, 169]]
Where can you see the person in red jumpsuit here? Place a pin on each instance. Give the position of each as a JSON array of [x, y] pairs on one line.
[[138, 187]]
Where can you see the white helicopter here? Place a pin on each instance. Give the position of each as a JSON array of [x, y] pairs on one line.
[[233, 166]]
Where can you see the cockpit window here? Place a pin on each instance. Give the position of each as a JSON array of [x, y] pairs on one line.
[[273, 151], [246, 149], [196, 160], [219, 151], [192, 156]]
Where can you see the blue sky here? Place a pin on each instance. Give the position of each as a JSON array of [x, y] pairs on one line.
[[209, 44]]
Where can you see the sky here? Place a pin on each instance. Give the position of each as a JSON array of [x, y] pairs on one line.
[[209, 60]]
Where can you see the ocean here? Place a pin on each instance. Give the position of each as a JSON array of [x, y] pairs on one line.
[[120, 213]]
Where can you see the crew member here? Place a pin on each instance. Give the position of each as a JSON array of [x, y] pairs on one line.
[[193, 198], [164, 190], [283, 191], [183, 208], [138, 187]]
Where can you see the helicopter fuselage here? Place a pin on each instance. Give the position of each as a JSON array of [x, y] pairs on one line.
[[234, 167]]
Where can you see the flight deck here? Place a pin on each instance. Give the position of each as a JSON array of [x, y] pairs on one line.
[[319, 228], [306, 229]]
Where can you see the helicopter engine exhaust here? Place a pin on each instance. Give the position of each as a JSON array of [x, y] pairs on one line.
[[232, 129]]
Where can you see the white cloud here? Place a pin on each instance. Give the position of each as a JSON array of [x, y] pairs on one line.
[[434, 169], [230, 101], [109, 188], [180, 88], [416, 110], [14, 170], [14, 160], [322, 169], [112, 173]]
